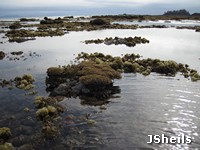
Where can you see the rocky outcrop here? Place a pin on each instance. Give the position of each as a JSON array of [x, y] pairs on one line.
[[87, 80], [129, 41]]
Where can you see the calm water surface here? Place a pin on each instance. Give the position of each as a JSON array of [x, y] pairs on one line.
[[146, 105]]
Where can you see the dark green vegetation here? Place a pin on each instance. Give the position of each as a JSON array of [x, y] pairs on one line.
[[181, 12], [129, 41]]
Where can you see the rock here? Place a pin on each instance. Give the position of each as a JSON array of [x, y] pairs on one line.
[[2, 55], [63, 89], [17, 53], [99, 22], [15, 25], [130, 42]]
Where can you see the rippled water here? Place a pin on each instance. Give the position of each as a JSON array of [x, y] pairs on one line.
[[146, 105]]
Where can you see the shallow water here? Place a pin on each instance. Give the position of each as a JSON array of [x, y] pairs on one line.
[[146, 105]]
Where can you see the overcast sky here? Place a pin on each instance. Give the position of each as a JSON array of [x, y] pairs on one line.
[[105, 6]]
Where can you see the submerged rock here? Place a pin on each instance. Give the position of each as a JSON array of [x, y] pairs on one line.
[[6, 146], [5, 134], [48, 111]]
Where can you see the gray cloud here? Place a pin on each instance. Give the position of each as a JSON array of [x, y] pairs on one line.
[[102, 6], [96, 3]]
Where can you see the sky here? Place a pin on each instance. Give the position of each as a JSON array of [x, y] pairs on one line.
[[91, 7]]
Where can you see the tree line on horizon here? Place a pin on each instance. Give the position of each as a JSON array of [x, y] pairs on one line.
[[181, 12]]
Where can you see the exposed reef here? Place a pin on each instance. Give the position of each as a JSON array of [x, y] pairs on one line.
[[87, 80], [24, 35], [28, 19], [51, 21], [15, 25], [129, 41], [57, 27], [131, 63], [92, 78], [99, 22], [196, 28]]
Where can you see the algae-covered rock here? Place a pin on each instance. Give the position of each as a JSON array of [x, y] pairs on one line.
[[50, 131], [85, 78], [166, 67], [6, 146], [15, 25], [42, 113], [99, 22], [39, 102], [5, 134], [53, 71], [129, 41], [95, 80], [52, 110], [24, 82], [195, 77]]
